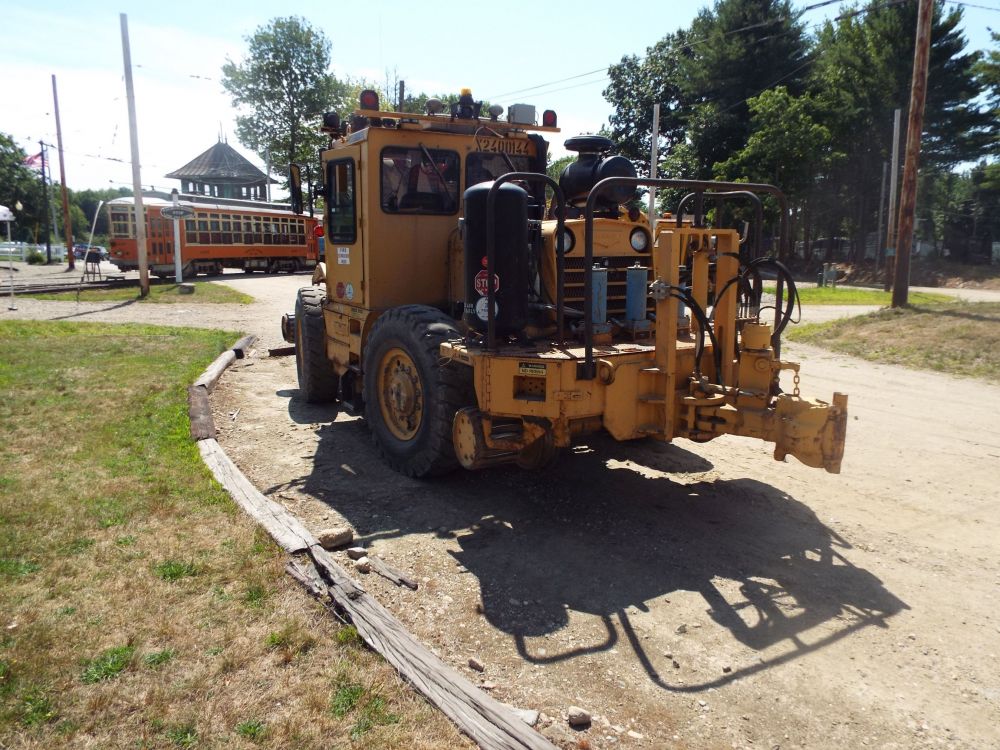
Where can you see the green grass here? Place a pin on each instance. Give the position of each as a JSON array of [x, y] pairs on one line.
[[852, 295], [108, 665], [958, 338], [158, 658], [15, 567], [183, 735], [119, 554], [174, 570], [252, 730], [204, 291], [345, 698]]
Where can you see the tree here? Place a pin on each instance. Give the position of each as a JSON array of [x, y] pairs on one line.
[[863, 70], [735, 51], [636, 85], [20, 183], [284, 86]]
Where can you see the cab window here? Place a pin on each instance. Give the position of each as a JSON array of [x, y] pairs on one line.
[[340, 204], [484, 167], [419, 181]]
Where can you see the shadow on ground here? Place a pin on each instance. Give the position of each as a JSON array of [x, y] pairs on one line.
[[595, 535]]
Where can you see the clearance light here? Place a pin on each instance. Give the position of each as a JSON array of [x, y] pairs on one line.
[[568, 241], [549, 118], [369, 100], [318, 230], [639, 240]]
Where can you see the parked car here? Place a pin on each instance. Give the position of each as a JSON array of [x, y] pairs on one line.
[[82, 249]]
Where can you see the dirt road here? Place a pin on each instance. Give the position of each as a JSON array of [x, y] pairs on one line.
[[698, 596]]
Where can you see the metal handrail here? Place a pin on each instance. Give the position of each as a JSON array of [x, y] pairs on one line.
[[758, 212]]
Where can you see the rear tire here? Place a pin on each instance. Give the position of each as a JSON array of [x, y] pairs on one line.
[[410, 396], [318, 383]]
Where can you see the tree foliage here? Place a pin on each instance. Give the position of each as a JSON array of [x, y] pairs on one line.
[[19, 183], [748, 95], [736, 51], [283, 87]]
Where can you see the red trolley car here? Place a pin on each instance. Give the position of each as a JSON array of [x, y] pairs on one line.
[[250, 235]]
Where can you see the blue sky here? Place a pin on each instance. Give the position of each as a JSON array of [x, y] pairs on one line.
[[551, 54]]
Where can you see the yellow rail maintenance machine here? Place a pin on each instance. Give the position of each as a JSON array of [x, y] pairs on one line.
[[474, 326]]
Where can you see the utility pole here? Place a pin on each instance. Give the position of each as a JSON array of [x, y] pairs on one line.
[[45, 198], [67, 224], [402, 96], [881, 209], [890, 239], [914, 129], [140, 213], [654, 157]]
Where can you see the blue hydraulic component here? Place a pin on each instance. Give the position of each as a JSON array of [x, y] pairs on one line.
[[599, 299], [636, 280]]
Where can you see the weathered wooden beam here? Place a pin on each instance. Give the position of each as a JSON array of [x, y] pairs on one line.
[[491, 724], [200, 413], [285, 528], [214, 371], [281, 351], [242, 347], [395, 575]]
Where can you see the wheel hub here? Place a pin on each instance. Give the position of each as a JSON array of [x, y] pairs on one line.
[[400, 394]]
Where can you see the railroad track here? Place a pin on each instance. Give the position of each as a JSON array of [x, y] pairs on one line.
[[49, 287]]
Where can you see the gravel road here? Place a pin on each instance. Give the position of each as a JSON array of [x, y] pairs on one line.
[[699, 596]]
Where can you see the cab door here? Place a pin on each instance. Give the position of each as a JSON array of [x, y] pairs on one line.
[[345, 266]]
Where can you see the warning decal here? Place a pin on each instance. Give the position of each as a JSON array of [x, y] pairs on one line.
[[531, 369], [481, 283]]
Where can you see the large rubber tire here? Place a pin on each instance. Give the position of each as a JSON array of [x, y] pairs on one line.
[[318, 383], [411, 396]]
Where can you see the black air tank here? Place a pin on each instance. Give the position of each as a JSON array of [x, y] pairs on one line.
[[510, 259]]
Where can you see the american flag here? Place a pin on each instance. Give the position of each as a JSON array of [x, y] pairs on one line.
[[34, 162]]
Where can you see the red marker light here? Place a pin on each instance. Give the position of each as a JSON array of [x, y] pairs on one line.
[[318, 231], [369, 99], [486, 261], [549, 118]]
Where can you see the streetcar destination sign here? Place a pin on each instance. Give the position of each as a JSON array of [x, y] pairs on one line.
[[176, 212]]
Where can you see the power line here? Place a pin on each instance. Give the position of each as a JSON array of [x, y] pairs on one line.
[[971, 5], [543, 85]]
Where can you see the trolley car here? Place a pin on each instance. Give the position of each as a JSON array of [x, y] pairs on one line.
[[249, 235]]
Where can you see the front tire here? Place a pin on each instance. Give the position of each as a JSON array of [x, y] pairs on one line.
[[410, 396], [318, 383]]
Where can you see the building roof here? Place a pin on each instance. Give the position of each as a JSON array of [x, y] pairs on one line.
[[221, 163]]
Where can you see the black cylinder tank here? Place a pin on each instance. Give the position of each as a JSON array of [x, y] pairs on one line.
[[510, 259], [591, 167]]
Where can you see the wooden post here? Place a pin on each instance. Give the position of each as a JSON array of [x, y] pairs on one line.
[[67, 224], [914, 128]]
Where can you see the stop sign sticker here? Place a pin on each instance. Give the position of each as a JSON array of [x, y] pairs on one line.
[[340, 289], [482, 287]]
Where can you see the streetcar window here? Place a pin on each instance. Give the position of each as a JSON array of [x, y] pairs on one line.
[[419, 181], [122, 224], [341, 213]]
